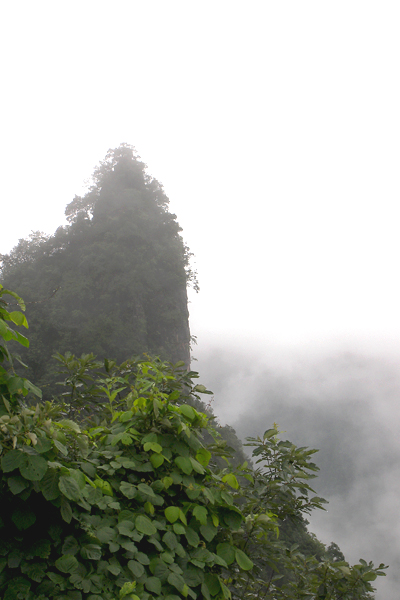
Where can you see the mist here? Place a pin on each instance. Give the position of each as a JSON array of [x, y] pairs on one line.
[[343, 401]]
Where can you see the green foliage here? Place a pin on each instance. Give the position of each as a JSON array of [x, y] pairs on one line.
[[12, 387], [273, 503], [126, 501]]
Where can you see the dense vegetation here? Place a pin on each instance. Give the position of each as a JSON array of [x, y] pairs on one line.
[[116, 275], [126, 500], [120, 483]]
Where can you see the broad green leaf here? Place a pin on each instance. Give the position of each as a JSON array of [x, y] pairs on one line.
[[153, 584], [149, 508], [178, 582], [104, 486], [49, 485], [168, 557], [232, 519], [208, 532], [146, 490], [227, 552], [4, 330], [192, 537], [157, 460], [172, 513], [176, 477], [126, 527], [227, 497], [124, 437], [142, 558], [19, 300], [219, 561], [67, 564], [208, 495], [370, 576], [79, 477], [114, 568], [196, 466], [205, 591], [66, 510], [61, 447], [150, 437], [56, 578], [193, 494], [126, 416], [17, 484], [203, 456], [231, 480], [91, 552], [21, 339], [69, 487], [43, 445], [167, 481], [144, 525], [184, 464], [152, 446], [243, 560], [201, 389], [136, 568], [70, 425], [179, 528], [11, 460], [188, 411], [129, 546], [127, 463], [70, 546], [106, 534], [33, 467], [170, 540], [35, 571], [18, 318], [15, 385], [270, 433], [128, 489], [225, 590], [263, 519], [193, 576], [200, 512], [158, 568], [182, 517], [33, 388], [212, 583]]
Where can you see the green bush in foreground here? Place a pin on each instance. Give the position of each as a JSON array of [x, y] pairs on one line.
[[131, 503]]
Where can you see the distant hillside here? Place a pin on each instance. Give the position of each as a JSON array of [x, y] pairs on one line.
[[113, 281]]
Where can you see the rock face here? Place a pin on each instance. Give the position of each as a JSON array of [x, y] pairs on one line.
[[120, 269]]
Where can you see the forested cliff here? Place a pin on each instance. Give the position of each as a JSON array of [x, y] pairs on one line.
[[113, 281]]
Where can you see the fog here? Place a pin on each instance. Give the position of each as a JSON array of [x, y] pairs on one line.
[[343, 401], [274, 128]]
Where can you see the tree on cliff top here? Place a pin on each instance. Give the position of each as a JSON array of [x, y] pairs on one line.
[[115, 278]]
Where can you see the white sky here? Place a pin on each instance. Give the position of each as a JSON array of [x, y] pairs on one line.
[[274, 127]]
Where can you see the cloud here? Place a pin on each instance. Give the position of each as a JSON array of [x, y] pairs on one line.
[[346, 404]]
